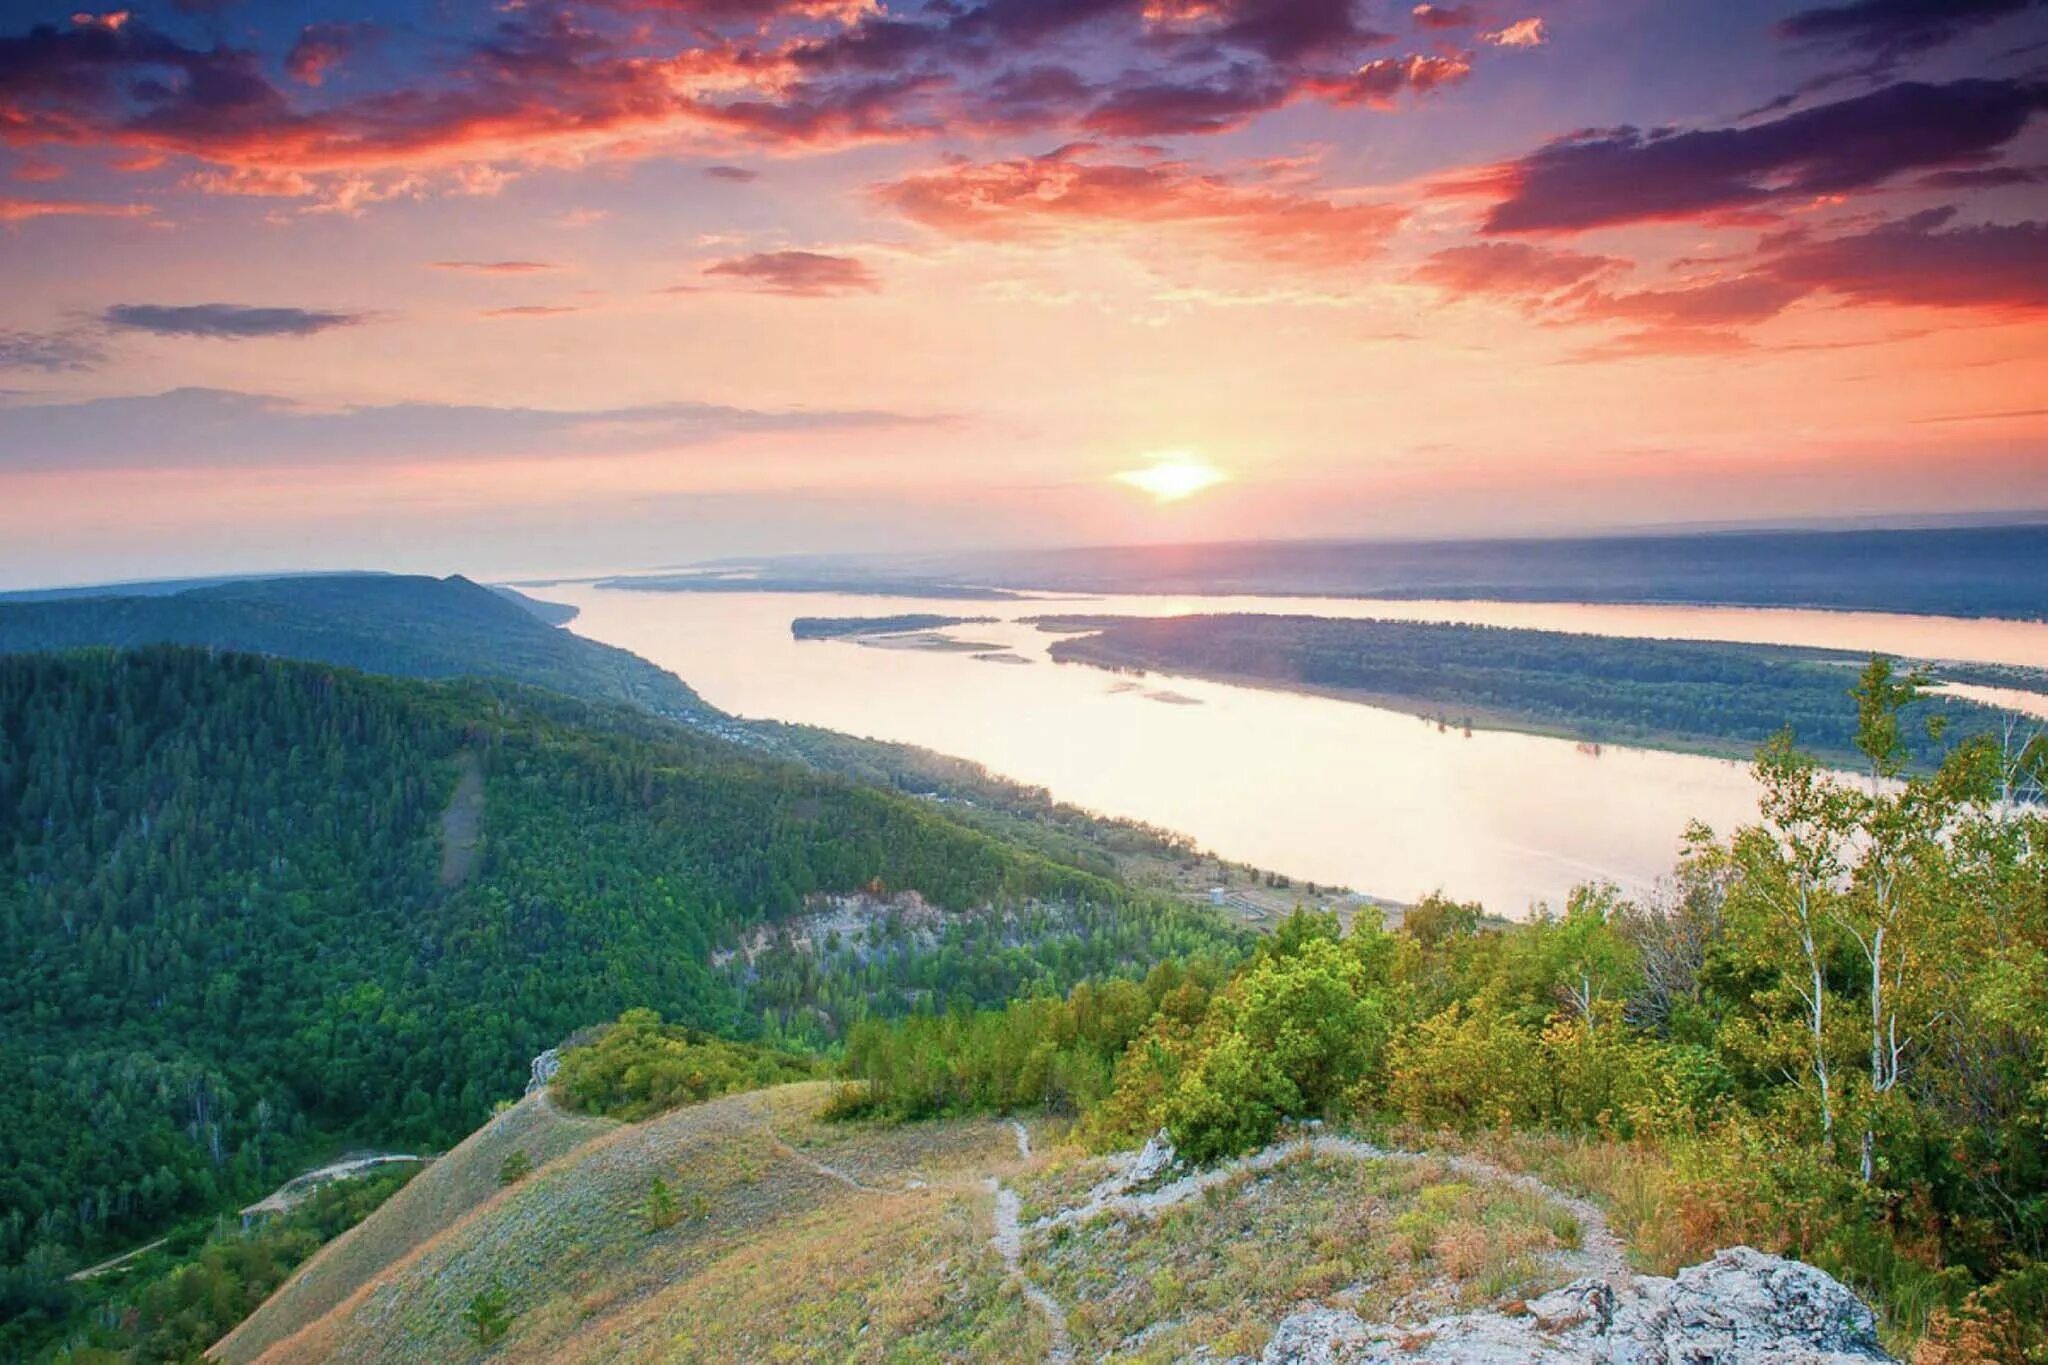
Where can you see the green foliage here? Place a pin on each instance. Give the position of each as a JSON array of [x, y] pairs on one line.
[[661, 1211], [225, 945], [173, 1303], [640, 1067], [488, 1315], [1728, 697], [514, 1168], [1834, 1024]]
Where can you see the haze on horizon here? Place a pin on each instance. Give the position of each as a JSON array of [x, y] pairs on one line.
[[513, 287]]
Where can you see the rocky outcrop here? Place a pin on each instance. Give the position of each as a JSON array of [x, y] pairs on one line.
[[1740, 1308], [543, 1070]]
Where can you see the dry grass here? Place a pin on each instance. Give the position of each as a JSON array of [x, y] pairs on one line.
[[1630, 1181], [787, 1224], [432, 1202], [1217, 1272]]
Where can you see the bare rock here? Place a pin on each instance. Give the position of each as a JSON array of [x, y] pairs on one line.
[[1743, 1307], [1157, 1158]]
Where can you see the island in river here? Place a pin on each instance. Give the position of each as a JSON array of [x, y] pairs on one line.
[[1679, 694]]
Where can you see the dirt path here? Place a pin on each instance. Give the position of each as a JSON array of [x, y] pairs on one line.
[[95, 1271], [462, 824], [1023, 1139], [810, 1162], [293, 1191], [1009, 1244]]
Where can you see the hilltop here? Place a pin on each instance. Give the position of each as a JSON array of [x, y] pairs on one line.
[[398, 624], [796, 1238]]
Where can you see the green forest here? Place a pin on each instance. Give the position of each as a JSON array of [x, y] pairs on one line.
[[399, 624], [1680, 693], [231, 941], [1827, 1037]]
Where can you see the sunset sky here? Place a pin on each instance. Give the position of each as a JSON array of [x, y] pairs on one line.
[[534, 286]]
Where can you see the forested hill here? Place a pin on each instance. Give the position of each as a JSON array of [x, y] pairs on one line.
[[405, 625], [227, 937]]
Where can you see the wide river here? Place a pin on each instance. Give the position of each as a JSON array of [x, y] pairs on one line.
[[1329, 791]]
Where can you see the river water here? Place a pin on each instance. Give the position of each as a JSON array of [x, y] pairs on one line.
[[1331, 791]]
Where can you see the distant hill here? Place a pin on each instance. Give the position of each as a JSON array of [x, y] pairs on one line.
[[399, 624], [1950, 571]]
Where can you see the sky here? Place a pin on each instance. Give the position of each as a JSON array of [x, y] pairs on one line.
[[543, 287]]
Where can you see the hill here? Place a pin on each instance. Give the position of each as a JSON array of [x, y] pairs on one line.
[[973, 1239], [227, 943], [403, 625]]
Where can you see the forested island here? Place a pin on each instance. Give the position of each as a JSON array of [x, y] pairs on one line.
[[1683, 694]]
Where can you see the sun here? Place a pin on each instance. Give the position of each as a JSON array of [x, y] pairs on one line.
[[1173, 476]]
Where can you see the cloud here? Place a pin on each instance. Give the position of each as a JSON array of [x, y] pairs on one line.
[[1522, 33], [531, 310], [1512, 269], [497, 267], [1379, 82], [21, 210], [1074, 191], [50, 351], [1895, 28], [217, 428], [323, 47], [1608, 177], [1922, 262], [738, 175], [798, 274], [1445, 16], [544, 84], [1717, 304], [225, 320]]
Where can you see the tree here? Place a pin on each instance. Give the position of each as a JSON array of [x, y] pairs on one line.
[[488, 1316], [515, 1168], [1791, 867], [661, 1211]]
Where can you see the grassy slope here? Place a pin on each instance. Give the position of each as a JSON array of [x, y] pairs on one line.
[[803, 1240], [436, 1199], [587, 1279]]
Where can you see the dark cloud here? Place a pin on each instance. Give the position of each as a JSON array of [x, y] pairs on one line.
[[216, 428], [52, 351], [1921, 261], [227, 320], [323, 47], [631, 74], [738, 175], [1895, 28], [1163, 109], [1986, 178], [799, 274], [1629, 175]]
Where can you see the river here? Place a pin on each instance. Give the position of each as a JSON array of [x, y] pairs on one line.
[[1331, 791]]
